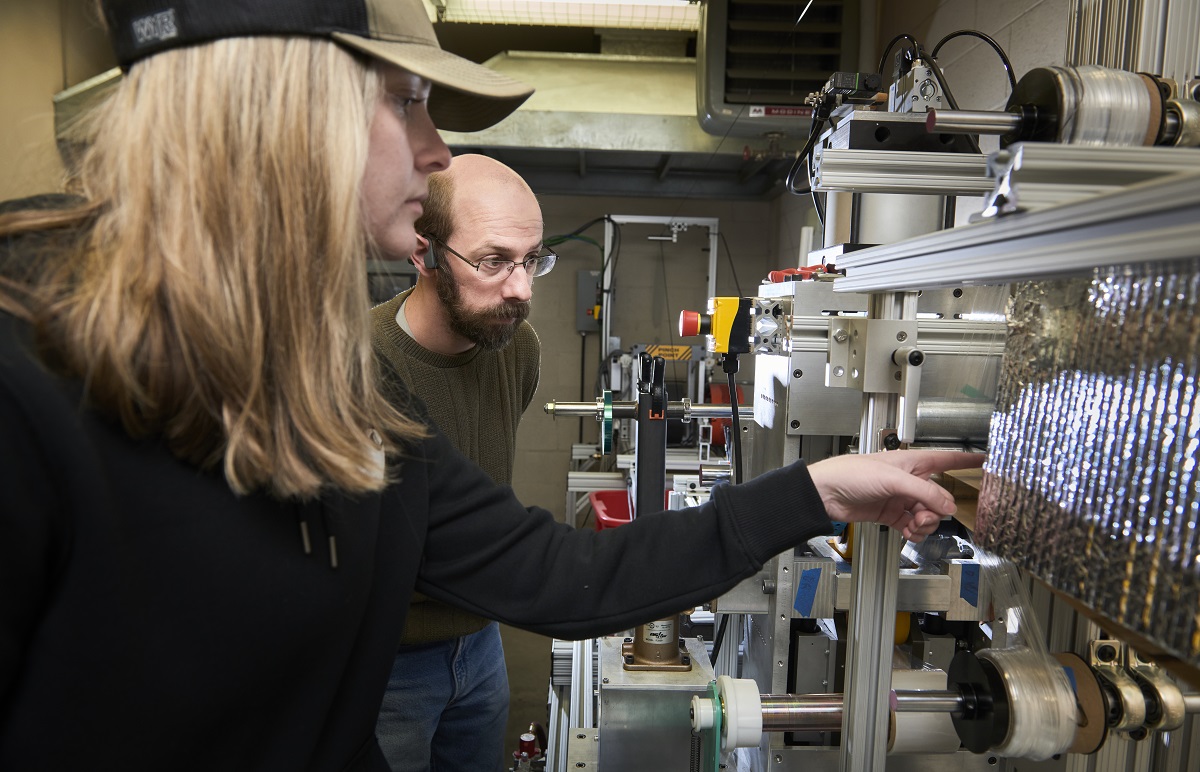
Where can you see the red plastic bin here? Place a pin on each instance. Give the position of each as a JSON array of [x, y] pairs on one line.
[[611, 508]]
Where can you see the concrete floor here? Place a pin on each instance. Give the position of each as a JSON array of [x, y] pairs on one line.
[[528, 658]]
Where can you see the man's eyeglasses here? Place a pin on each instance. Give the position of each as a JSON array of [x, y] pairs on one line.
[[498, 269]]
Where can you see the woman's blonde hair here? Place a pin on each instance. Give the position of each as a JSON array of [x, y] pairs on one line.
[[217, 294]]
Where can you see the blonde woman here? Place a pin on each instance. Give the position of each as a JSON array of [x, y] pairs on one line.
[[211, 521]]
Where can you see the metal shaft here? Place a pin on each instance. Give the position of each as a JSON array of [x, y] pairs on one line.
[[801, 712], [972, 122], [823, 712], [684, 409]]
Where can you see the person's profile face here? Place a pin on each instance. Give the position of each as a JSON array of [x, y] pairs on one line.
[[404, 149], [492, 219]]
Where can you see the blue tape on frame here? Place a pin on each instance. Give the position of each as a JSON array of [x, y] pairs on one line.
[[969, 587], [806, 591]]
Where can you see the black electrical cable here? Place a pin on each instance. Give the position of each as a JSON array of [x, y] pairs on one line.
[[818, 205], [1012, 78], [718, 637], [729, 364], [662, 262], [732, 267], [802, 157], [606, 297], [914, 46], [587, 225]]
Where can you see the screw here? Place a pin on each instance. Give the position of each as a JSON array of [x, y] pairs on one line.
[[604, 680], [628, 640], [797, 373], [902, 336], [840, 336], [628, 659], [779, 759], [1106, 653], [580, 736], [839, 371], [891, 442], [896, 375], [794, 424], [958, 293], [580, 764], [686, 660]]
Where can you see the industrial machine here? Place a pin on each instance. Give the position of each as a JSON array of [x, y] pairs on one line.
[[1038, 304]]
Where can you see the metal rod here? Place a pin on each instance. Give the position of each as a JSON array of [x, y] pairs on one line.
[[801, 712], [972, 122], [684, 410], [823, 712], [929, 702]]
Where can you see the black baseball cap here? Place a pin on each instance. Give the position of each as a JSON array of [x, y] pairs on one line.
[[465, 97]]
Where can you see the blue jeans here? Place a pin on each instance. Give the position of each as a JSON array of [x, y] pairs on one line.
[[446, 706]]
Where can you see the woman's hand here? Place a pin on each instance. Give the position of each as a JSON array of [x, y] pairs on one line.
[[891, 488]]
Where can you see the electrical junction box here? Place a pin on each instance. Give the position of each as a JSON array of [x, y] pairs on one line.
[[587, 301]]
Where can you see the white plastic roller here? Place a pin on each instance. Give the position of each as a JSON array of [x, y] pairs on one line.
[[742, 727], [741, 710]]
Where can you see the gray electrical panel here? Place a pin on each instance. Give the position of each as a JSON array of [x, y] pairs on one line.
[[587, 301]]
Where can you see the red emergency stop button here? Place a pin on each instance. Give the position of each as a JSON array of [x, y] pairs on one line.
[[692, 323]]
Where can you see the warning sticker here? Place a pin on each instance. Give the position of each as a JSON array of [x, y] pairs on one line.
[[672, 353]]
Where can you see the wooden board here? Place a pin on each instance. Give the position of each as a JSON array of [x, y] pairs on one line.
[[964, 485]]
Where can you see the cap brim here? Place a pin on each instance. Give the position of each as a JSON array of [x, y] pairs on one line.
[[465, 97]]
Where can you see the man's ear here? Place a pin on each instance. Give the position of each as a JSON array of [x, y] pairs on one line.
[[423, 258]]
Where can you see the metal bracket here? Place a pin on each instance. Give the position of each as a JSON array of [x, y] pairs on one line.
[[1107, 659], [1165, 700], [861, 350]]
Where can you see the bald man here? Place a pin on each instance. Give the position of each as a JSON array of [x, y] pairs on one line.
[[460, 340]]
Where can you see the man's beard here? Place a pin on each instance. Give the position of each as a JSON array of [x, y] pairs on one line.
[[479, 327]]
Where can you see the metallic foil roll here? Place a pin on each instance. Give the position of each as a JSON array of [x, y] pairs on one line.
[[1091, 481]]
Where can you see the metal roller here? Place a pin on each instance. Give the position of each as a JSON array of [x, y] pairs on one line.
[[1086, 105], [938, 420], [684, 410], [998, 701], [953, 420]]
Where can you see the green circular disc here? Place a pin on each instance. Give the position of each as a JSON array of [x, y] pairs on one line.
[[606, 438], [718, 710]]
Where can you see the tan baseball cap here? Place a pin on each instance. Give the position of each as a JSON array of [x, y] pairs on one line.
[[465, 97]]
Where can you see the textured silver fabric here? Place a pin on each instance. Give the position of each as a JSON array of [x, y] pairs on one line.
[[1091, 480]]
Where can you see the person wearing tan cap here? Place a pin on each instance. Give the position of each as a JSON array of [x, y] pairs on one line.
[[461, 341], [212, 519]]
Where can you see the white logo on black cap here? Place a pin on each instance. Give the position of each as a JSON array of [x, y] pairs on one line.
[[155, 28]]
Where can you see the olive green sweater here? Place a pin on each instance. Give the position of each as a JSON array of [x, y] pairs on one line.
[[476, 398]]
